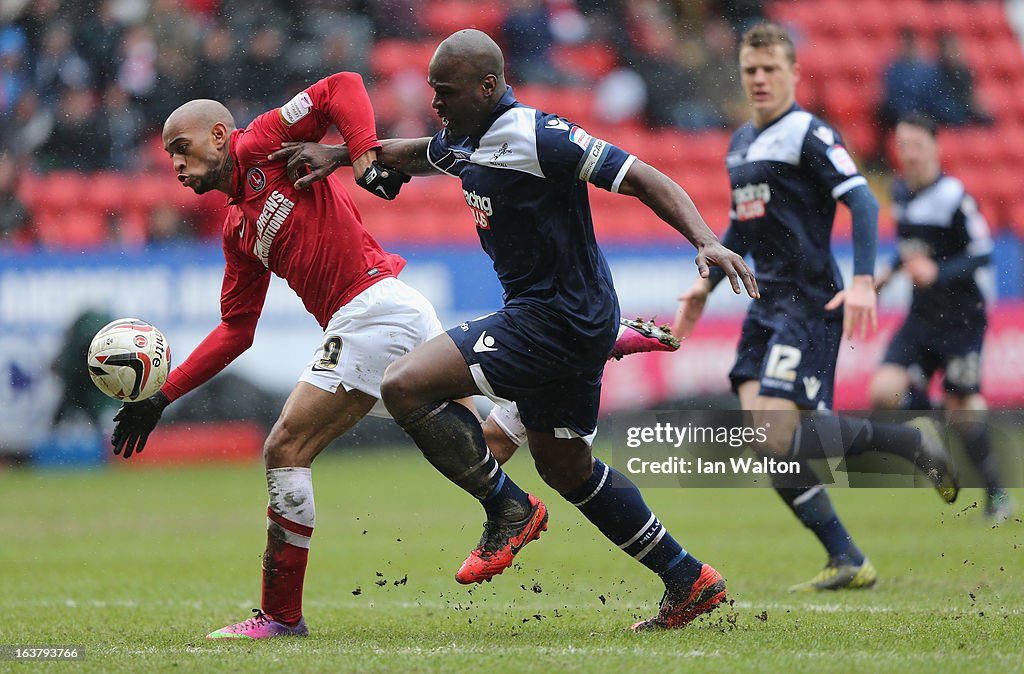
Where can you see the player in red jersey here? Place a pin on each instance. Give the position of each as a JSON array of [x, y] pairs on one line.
[[314, 239]]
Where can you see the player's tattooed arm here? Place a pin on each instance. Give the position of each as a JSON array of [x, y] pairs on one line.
[[671, 203]]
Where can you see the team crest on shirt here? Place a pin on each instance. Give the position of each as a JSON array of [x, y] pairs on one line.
[[825, 135], [257, 181], [751, 200]]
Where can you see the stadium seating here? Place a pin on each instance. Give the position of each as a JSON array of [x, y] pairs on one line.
[[844, 48]]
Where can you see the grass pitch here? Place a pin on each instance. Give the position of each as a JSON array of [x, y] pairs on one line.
[[138, 565]]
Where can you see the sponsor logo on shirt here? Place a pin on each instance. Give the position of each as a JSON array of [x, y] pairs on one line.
[[481, 208], [275, 211], [841, 159], [557, 124], [296, 109], [580, 137], [751, 200], [257, 181]]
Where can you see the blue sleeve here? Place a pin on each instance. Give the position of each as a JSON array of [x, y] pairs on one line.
[[864, 209], [825, 157], [978, 251], [567, 152], [441, 156]]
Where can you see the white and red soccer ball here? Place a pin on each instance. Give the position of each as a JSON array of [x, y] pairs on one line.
[[129, 359]]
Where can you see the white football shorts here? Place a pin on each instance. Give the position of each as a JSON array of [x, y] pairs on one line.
[[378, 326], [505, 415]]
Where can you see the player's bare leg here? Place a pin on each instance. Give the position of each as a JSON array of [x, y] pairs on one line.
[[504, 431], [310, 420], [418, 390], [889, 387]]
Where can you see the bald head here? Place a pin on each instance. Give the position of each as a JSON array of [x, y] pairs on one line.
[[474, 51], [201, 114], [197, 136]]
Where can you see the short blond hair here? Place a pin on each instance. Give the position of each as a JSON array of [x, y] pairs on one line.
[[767, 35]]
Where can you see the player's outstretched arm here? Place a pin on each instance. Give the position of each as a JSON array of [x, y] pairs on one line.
[[311, 162], [671, 203]]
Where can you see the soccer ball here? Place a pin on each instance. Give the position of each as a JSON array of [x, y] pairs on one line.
[[129, 359]]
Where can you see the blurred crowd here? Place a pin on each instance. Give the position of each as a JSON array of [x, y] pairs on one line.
[[83, 82], [86, 85], [940, 88]]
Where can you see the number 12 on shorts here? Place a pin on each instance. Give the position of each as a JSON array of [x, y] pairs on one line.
[[782, 362]]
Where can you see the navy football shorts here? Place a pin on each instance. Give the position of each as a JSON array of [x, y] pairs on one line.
[[924, 349], [793, 359], [557, 391]]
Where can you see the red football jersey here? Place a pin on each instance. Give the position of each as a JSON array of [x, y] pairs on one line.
[[313, 238]]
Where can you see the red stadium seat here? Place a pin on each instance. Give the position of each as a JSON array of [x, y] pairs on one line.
[[828, 19], [65, 191], [82, 229], [869, 18], [444, 17], [587, 61], [1015, 219], [917, 15], [989, 19], [575, 104], [390, 57], [107, 191], [953, 15], [862, 138], [32, 190]]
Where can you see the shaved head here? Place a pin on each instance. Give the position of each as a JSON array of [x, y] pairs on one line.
[[197, 136], [475, 51], [467, 74], [202, 113]]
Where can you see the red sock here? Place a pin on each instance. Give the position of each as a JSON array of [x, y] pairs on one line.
[[284, 569]]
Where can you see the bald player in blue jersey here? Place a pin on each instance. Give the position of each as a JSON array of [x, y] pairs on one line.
[[524, 176], [787, 169]]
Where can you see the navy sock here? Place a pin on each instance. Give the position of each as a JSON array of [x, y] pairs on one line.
[[978, 445], [833, 436], [496, 504], [917, 399], [615, 506], [451, 439], [813, 508]]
